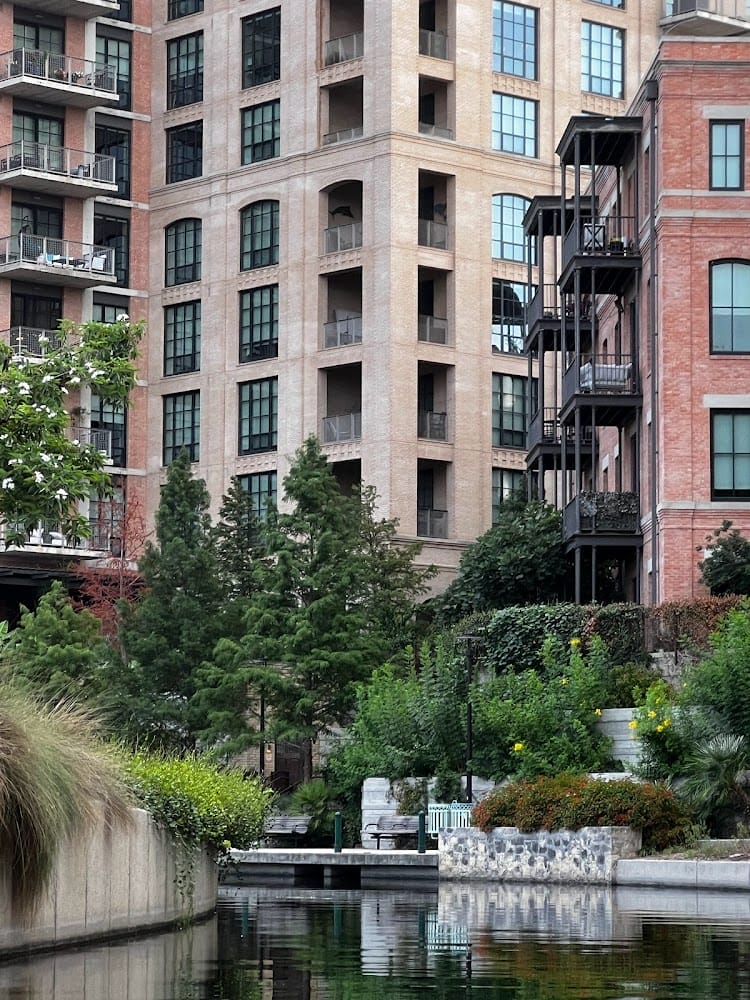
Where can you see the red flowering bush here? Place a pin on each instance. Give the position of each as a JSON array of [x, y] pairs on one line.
[[569, 802]]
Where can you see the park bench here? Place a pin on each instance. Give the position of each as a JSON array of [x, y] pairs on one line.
[[286, 828], [398, 828]]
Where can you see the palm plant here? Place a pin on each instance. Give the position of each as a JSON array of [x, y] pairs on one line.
[[715, 784]]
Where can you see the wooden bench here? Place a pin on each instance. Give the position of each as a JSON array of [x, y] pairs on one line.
[[286, 827], [398, 828]]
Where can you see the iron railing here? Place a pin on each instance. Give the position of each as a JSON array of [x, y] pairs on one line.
[[26, 155], [598, 512], [610, 374], [54, 252]]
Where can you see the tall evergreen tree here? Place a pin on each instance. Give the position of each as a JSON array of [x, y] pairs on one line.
[[180, 616]]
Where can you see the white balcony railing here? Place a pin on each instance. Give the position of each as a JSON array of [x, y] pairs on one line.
[[57, 68], [345, 48], [53, 252], [38, 156], [432, 329], [101, 440], [343, 332], [30, 341], [344, 427], [343, 135], [433, 234], [339, 238], [737, 10]]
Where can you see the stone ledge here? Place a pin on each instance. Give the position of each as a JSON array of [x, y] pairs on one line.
[[692, 873]]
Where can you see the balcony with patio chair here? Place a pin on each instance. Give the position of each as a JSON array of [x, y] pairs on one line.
[[52, 260], [57, 170], [54, 78]]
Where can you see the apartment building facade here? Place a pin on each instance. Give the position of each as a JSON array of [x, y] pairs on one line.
[[641, 321]]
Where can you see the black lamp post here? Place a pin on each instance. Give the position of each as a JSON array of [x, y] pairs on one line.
[[469, 640]]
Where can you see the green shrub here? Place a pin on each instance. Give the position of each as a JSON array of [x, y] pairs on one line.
[[689, 624], [514, 637], [570, 802], [314, 799], [627, 683], [621, 627], [199, 802]]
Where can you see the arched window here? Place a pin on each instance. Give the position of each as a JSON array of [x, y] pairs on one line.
[[508, 241], [183, 249], [259, 235], [730, 307]]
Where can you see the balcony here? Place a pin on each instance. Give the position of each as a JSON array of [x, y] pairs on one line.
[[433, 43], [604, 246], [433, 234], [85, 437], [544, 305], [343, 135], [49, 535], [339, 50], [57, 79], [342, 332], [30, 342], [432, 523], [74, 8], [708, 17], [432, 329], [440, 131], [599, 513], [344, 427], [36, 166], [432, 426], [51, 260], [339, 238]]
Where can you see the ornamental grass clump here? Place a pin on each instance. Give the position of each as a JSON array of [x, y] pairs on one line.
[[56, 781], [569, 802]]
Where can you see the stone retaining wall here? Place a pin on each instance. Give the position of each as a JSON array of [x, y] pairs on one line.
[[115, 881], [588, 855]]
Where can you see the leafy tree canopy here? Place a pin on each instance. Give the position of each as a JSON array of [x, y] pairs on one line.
[[726, 568], [44, 469], [520, 560]]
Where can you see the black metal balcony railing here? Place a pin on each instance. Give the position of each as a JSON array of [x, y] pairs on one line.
[[544, 304], [347, 237], [259, 350], [38, 156], [53, 252], [595, 512], [738, 10], [432, 425], [601, 236], [610, 374], [433, 234], [57, 68], [432, 329], [433, 43], [432, 523], [344, 427], [345, 48], [343, 332], [30, 341]]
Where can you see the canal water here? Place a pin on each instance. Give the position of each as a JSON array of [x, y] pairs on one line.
[[502, 942]]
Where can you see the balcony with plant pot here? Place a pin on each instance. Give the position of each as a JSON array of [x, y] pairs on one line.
[[54, 78], [56, 170]]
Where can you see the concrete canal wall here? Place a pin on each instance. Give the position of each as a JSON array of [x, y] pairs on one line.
[[114, 881]]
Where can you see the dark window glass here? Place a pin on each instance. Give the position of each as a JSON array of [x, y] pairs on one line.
[[261, 486], [107, 312], [508, 240], [505, 482], [31, 128], [38, 220], [184, 152], [111, 417], [259, 235], [514, 126], [125, 12], [259, 323], [116, 142], [509, 410], [185, 70], [38, 37], [602, 51], [727, 156], [509, 300], [183, 249], [116, 52], [261, 48], [182, 8], [514, 39], [258, 416], [730, 455], [730, 307], [182, 425], [182, 338], [260, 132], [41, 312], [113, 231]]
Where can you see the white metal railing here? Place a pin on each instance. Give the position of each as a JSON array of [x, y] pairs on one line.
[[48, 534], [448, 816], [345, 48], [343, 135], [433, 234], [30, 341], [58, 68], [347, 237], [99, 439], [432, 329], [344, 427], [738, 10], [26, 155], [433, 43], [343, 332], [54, 252], [429, 128]]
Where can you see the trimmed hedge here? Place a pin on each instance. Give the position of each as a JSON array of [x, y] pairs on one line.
[[570, 802], [689, 624]]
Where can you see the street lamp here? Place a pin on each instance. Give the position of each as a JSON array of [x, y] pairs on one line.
[[469, 640]]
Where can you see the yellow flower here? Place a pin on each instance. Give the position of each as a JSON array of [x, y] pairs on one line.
[[666, 723], [575, 643], [633, 724], [660, 729], [652, 714], [517, 747], [597, 711], [564, 680]]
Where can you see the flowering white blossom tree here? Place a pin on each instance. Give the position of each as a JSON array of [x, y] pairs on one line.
[[45, 471]]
